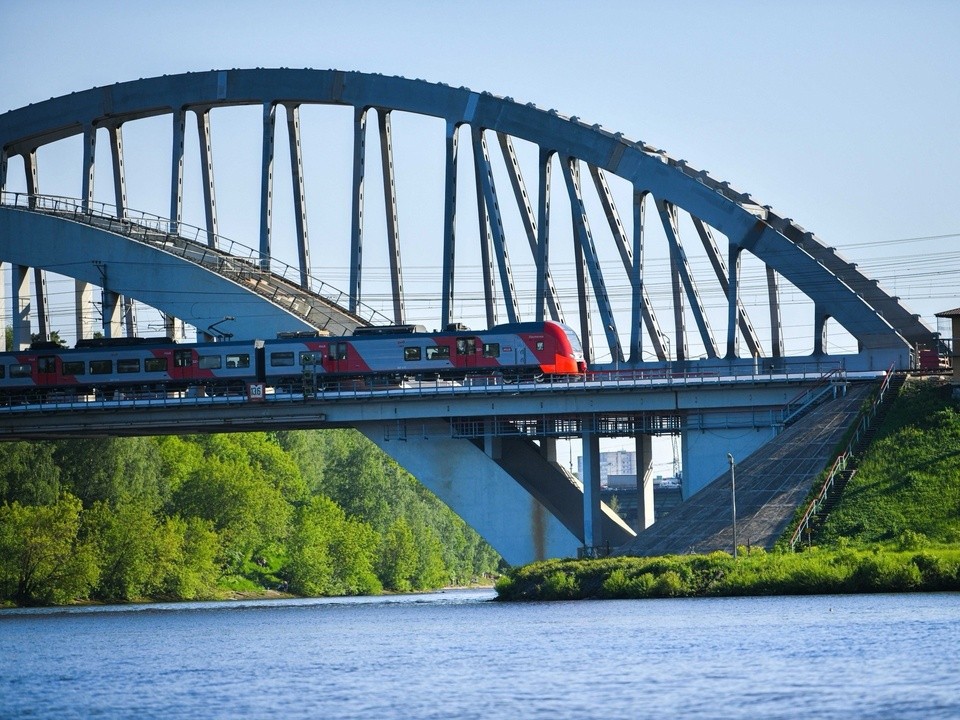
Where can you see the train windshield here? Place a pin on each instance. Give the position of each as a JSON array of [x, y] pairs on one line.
[[572, 337]]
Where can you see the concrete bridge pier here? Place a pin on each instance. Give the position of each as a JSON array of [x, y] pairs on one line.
[[511, 490], [706, 438]]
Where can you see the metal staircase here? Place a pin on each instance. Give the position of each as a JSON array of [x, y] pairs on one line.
[[320, 305]]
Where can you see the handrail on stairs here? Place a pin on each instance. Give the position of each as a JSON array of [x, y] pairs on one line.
[[842, 461], [228, 256]]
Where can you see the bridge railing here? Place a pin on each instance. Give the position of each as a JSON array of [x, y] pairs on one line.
[[349, 389], [228, 257], [841, 462]]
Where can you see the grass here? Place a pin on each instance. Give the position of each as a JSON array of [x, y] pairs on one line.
[[895, 529]]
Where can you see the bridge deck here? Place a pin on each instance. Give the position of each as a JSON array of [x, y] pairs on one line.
[[771, 484]]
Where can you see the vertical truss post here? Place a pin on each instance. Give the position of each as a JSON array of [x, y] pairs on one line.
[[485, 173], [299, 193], [776, 328], [119, 174], [584, 240], [390, 201], [20, 304], [636, 280], [530, 227], [89, 155], [356, 215], [486, 250], [733, 302], [681, 272], [43, 318], [3, 308], [43, 308], [266, 183], [713, 253], [176, 171], [206, 170], [32, 176], [543, 233], [449, 223], [3, 169]]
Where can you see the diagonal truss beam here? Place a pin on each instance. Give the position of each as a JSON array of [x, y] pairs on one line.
[[668, 216], [530, 224], [390, 202], [481, 156], [742, 319], [584, 242], [642, 308]]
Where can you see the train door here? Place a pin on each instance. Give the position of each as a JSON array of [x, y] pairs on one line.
[[338, 358], [47, 370], [466, 353]]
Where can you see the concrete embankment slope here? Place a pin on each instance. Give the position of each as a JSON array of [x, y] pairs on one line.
[[771, 484]]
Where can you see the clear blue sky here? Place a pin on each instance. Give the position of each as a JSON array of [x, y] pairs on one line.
[[842, 115]]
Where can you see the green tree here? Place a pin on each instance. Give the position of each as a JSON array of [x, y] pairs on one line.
[[397, 562], [330, 554], [43, 559], [28, 473], [126, 536], [187, 552], [246, 510]]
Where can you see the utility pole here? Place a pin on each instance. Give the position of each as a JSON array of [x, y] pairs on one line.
[[733, 500]]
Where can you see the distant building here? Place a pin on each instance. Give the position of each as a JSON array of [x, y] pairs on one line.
[[618, 462], [952, 341]]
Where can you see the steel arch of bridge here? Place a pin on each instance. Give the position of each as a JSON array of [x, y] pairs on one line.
[[882, 327]]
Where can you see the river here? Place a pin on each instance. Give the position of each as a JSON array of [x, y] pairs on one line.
[[456, 654]]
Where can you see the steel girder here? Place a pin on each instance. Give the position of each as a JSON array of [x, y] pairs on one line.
[[837, 289]]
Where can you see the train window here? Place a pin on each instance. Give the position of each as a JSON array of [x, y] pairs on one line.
[[440, 352], [128, 365], [101, 367], [74, 367], [20, 371], [466, 346], [239, 360], [46, 364], [281, 359], [3, 371], [411, 353], [491, 349], [210, 362], [539, 344], [311, 358], [183, 358], [155, 364]]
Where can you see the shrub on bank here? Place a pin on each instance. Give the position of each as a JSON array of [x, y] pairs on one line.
[[818, 571]]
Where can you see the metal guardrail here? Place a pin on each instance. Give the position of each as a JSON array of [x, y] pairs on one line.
[[600, 381], [842, 461], [228, 257], [806, 399]]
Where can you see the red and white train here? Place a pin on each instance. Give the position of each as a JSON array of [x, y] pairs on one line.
[[372, 355]]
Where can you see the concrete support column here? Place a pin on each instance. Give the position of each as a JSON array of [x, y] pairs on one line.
[[83, 302], [20, 304], [645, 506], [592, 513], [112, 315], [173, 327]]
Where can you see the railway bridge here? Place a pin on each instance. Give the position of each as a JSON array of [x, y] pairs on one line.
[[731, 367]]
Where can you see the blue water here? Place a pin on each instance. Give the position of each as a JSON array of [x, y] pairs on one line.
[[457, 655]]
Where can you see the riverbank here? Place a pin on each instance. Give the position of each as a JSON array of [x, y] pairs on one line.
[[815, 571]]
